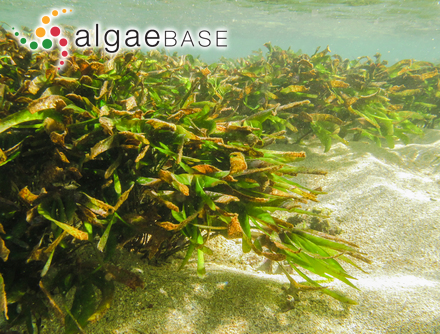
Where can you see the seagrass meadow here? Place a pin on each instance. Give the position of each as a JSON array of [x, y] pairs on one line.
[[158, 153]]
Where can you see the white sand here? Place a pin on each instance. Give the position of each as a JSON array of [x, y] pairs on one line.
[[385, 200]]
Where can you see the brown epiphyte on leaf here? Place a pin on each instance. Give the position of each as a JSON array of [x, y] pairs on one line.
[[238, 163]]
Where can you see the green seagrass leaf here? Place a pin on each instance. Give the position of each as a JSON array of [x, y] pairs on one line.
[[83, 306], [332, 293], [78, 234], [200, 263], [198, 184], [25, 116]]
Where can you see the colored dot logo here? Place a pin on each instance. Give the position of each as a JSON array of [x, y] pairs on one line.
[[48, 35]]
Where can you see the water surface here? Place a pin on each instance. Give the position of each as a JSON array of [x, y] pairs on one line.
[[352, 28]]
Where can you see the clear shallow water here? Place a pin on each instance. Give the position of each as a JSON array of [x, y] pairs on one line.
[[352, 28]]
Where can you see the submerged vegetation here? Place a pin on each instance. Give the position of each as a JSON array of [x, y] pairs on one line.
[[157, 153]]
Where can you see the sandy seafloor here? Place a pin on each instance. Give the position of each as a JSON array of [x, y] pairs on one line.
[[385, 200]]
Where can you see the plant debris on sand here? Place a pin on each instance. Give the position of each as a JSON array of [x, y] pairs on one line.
[[157, 153]]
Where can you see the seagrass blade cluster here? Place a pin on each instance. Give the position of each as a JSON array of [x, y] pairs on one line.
[[157, 153]]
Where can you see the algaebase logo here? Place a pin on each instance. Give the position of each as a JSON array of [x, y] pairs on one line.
[[48, 36]]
